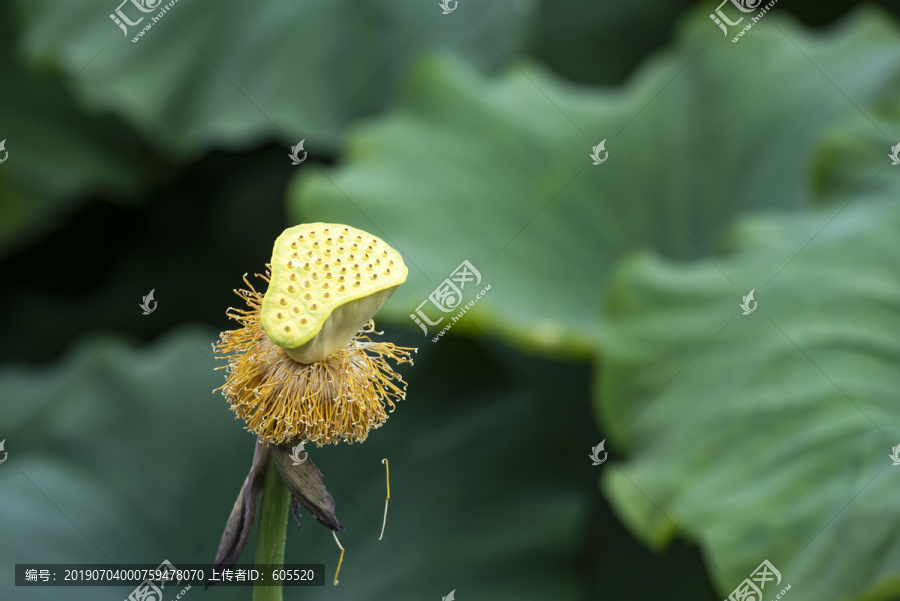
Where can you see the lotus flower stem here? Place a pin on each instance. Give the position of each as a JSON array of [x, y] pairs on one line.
[[276, 500]]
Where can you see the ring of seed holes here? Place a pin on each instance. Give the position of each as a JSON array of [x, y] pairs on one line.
[[328, 275]]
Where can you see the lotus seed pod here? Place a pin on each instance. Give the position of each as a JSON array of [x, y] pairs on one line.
[[327, 282]]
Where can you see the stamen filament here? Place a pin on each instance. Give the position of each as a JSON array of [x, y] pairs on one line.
[[341, 398], [387, 475], [341, 560]]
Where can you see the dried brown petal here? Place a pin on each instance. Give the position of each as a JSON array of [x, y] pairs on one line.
[[307, 487], [243, 514]]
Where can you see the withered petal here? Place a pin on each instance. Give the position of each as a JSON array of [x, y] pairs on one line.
[[306, 485], [295, 508], [243, 514]]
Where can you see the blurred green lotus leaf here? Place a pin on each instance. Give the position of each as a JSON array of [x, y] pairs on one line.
[[498, 171], [768, 435], [235, 73], [54, 154], [601, 42], [125, 454]]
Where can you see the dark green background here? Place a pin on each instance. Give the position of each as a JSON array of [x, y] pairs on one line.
[[162, 165]]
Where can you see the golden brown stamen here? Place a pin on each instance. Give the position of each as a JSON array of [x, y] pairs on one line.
[[340, 398]]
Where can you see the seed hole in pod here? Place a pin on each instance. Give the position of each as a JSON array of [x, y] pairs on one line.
[[312, 234], [307, 296], [280, 315], [303, 320], [293, 276], [328, 275], [342, 288], [315, 276], [325, 286], [306, 284], [296, 309], [356, 283], [326, 295], [294, 245], [287, 328], [313, 307], [290, 288], [374, 276], [283, 301], [341, 279], [387, 272], [358, 276]]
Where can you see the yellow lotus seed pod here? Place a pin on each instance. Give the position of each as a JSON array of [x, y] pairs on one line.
[[327, 281]]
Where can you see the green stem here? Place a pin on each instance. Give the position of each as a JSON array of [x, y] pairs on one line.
[[276, 500]]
